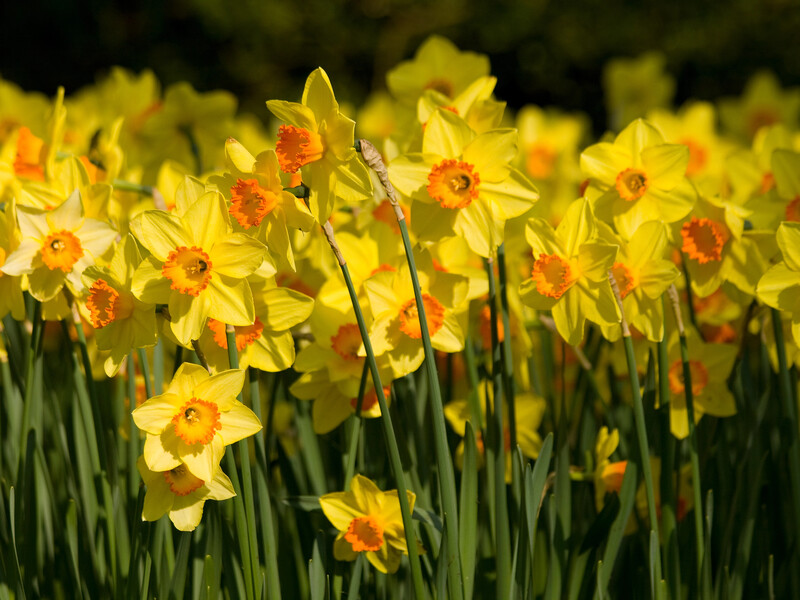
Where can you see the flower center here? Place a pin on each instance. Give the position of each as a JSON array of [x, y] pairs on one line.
[[631, 184], [552, 275], [347, 341], [767, 183], [297, 147], [761, 117], [189, 270], [106, 304], [61, 250], [625, 279], [441, 85], [370, 400], [409, 317], [453, 184], [197, 421], [541, 161], [250, 203], [699, 377], [381, 268], [698, 157], [703, 240], [613, 474], [245, 334], [365, 533], [181, 481], [792, 211], [31, 153]]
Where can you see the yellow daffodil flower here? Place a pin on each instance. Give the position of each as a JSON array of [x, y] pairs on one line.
[[319, 140], [11, 300], [56, 247], [197, 265], [716, 248], [462, 183], [193, 421], [710, 366], [529, 412], [122, 322], [638, 178], [570, 272], [257, 201], [780, 285], [180, 494], [369, 521], [633, 86], [437, 65], [643, 275], [474, 104], [267, 343], [764, 102], [396, 330]]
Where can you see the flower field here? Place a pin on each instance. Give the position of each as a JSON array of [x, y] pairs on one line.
[[424, 347]]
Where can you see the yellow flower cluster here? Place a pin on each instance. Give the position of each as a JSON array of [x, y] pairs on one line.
[[147, 212]]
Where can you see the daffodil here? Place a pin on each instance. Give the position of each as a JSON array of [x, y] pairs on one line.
[[716, 248], [319, 140], [784, 203], [56, 247], [710, 365], [463, 183], [258, 203], [396, 330], [180, 494], [764, 102], [437, 65], [122, 322], [529, 412], [197, 265], [267, 343], [11, 300], [570, 272], [638, 178], [780, 285], [193, 421], [474, 104], [633, 86], [368, 521], [642, 274], [607, 475]]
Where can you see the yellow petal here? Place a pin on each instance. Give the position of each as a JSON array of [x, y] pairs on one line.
[[238, 423]]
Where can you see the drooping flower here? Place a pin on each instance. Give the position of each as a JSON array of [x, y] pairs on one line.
[[56, 247], [197, 265], [193, 421], [462, 183], [319, 140], [570, 272], [368, 521], [638, 178], [180, 494], [121, 321]]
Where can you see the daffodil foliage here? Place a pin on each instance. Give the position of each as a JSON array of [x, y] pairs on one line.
[[344, 325]]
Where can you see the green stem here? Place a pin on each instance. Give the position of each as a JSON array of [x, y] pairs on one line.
[[447, 478], [789, 405], [693, 455], [34, 352], [355, 432], [497, 444], [264, 505], [386, 420], [136, 188], [247, 474], [641, 434], [133, 442]]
